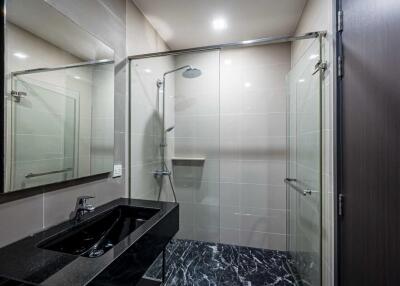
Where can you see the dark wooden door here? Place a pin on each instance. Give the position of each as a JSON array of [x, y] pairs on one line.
[[370, 161]]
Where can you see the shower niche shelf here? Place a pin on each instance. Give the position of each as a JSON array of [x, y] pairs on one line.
[[188, 161]]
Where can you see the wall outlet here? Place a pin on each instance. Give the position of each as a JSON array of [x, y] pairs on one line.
[[117, 170]]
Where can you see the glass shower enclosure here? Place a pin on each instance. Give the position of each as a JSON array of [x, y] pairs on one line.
[[202, 160]]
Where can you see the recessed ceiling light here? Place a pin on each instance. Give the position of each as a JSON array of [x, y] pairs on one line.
[[20, 55], [302, 80], [219, 24], [77, 77], [147, 70], [314, 56], [228, 61], [247, 84]]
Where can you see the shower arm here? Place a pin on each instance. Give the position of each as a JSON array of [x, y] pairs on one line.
[[175, 70]]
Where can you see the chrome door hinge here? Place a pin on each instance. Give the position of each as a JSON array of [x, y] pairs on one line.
[[18, 95], [340, 21], [340, 204], [340, 66]]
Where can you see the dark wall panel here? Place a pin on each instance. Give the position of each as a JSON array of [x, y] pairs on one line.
[[370, 245]]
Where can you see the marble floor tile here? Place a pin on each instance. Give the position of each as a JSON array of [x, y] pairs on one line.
[[196, 263]]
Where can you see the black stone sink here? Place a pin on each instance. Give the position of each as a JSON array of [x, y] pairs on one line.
[[10, 282], [99, 235], [114, 245]]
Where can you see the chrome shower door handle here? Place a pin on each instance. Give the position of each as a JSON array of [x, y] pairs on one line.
[[32, 175], [304, 192]]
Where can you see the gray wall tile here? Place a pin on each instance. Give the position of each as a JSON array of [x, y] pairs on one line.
[[20, 218]]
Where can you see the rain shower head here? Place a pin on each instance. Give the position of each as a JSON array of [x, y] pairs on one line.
[[191, 72]]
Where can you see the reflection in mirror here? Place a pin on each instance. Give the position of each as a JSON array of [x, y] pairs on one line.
[[60, 98]]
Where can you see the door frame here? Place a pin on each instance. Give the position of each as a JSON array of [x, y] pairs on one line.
[[337, 135], [2, 100]]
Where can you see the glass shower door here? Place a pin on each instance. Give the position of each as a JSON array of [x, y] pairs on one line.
[[43, 134], [304, 166]]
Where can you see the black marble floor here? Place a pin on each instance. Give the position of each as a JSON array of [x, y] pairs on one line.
[[195, 263]]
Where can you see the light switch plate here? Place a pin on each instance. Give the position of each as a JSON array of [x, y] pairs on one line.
[[117, 170]]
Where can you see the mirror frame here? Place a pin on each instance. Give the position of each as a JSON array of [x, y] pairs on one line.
[[37, 190], [2, 86]]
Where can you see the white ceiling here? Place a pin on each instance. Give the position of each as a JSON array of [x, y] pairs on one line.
[[188, 23]]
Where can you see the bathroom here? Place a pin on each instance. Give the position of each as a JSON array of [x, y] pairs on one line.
[[188, 142]]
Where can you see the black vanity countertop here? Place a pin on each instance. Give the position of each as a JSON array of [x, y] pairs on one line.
[[24, 261]]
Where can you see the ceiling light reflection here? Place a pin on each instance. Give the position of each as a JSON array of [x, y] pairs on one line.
[[219, 24], [20, 55]]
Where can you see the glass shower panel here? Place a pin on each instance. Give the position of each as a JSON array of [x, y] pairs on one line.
[[43, 134], [192, 137], [146, 127], [304, 166]]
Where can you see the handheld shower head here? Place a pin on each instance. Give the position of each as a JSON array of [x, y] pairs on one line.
[[169, 129]]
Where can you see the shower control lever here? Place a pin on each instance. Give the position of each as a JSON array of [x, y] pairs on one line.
[[161, 173]]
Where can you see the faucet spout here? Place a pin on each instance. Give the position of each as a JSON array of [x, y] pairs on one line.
[[82, 207]]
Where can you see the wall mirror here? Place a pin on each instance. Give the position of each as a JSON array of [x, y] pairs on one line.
[[59, 98]]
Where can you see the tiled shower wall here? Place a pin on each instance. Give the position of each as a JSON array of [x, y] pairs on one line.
[[237, 194], [196, 170], [253, 145]]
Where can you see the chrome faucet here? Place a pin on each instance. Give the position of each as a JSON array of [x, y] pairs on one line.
[[82, 206]]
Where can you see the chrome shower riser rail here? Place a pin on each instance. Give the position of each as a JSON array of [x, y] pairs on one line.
[[240, 44]]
